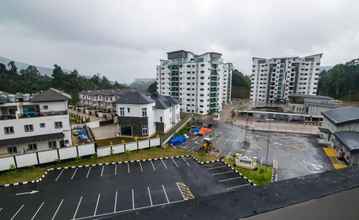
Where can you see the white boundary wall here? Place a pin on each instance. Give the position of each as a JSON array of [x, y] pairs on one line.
[[131, 146], [48, 156], [26, 160], [143, 144], [103, 151], [67, 153], [86, 149], [6, 163], [117, 149]]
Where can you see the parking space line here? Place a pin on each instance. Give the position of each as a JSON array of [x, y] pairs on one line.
[[37, 211], [149, 195], [174, 162], [139, 162], [73, 175], [238, 186], [115, 169], [164, 191], [153, 166], [57, 209], [103, 167], [77, 208], [88, 172], [213, 168], [17, 212], [133, 199], [58, 176], [115, 204], [220, 173], [186, 162], [229, 179], [164, 164], [98, 200], [128, 168]]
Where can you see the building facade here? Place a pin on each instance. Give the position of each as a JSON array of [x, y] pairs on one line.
[[34, 123], [273, 80], [311, 105], [201, 83], [100, 99], [141, 115]]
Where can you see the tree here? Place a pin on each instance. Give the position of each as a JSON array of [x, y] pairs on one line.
[[152, 89], [240, 85], [12, 67]]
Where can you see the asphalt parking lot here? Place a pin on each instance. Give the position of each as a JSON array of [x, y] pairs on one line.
[[298, 155], [96, 191]]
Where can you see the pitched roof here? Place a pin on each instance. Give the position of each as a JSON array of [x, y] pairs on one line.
[[133, 97], [342, 115], [51, 95], [350, 139], [164, 102]]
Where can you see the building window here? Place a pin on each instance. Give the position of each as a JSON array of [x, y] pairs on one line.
[[58, 124], [12, 150], [144, 112], [161, 120], [32, 147], [29, 128], [128, 110], [9, 130], [45, 107], [52, 144], [42, 125], [144, 131], [122, 111]]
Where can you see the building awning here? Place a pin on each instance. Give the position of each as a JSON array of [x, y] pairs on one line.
[[30, 139], [324, 130], [349, 139]]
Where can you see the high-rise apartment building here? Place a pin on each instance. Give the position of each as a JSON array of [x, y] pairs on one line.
[[201, 83], [273, 80]]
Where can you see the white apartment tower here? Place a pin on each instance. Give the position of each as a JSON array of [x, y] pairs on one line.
[[201, 83], [273, 80]]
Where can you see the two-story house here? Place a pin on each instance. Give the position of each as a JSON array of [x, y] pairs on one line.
[[141, 115], [34, 123]]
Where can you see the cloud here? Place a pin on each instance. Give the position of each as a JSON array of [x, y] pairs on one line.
[[126, 39]]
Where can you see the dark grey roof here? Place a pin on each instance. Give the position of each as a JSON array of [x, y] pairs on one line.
[[163, 102], [103, 92], [133, 97], [342, 115], [311, 96], [349, 139], [51, 95], [24, 140]]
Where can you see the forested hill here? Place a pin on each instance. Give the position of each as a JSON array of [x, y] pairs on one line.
[[30, 80], [340, 82], [241, 85]]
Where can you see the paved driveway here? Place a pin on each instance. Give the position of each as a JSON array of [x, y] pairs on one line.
[[297, 155]]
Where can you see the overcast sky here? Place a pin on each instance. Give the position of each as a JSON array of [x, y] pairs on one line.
[[126, 39]]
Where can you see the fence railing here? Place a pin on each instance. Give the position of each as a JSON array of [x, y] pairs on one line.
[[49, 156]]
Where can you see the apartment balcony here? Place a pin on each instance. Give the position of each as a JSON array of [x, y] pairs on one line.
[[32, 115]]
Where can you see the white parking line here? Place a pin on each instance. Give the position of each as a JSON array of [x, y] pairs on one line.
[[229, 179], [213, 168], [220, 173], [186, 162], [149, 195], [37, 211], [98, 200], [174, 162], [115, 205], [73, 175], [164, 191], [58, 176], [153, 166], [140, 166], [164, 164], [57, 209], [115, 169], [238, 186], [128, 168], [77, 208], [17, 212], [103, 167], [133, 199], [88, 172]]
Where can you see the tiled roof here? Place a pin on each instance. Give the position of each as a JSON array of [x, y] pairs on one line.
[[104, 92], [163, 102], [350, 139], [51, 95], [133, 97], [342, 115]]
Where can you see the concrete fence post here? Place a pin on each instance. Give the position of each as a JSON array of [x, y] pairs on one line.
[[77, 150], [58, 153], [15, 161], [37, 157]]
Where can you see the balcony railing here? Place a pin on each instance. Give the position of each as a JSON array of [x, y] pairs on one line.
[[33, 115]]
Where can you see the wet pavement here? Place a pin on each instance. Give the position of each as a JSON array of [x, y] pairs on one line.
[[297, 155]]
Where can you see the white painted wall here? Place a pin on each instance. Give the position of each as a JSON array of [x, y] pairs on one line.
[[48, 156], [26, 160], [6, 163], [52, 106]]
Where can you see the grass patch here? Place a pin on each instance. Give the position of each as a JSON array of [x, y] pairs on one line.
[[203, 156], [115, 140], [28, 174], [261, 176]]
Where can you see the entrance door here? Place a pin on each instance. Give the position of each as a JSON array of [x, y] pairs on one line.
[[126, 131]]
